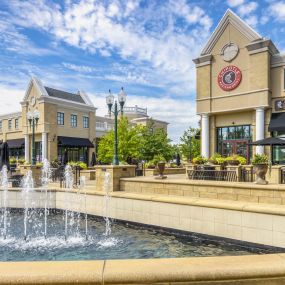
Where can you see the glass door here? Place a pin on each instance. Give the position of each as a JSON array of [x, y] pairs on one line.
[[239, 147]]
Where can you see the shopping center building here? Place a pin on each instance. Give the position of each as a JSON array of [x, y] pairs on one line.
[[67, 122], [240, 91]]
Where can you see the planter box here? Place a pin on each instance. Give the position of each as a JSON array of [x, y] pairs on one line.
[[89, 174], [36, 170], [167, 171]]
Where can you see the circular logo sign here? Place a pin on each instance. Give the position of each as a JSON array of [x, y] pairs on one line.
[[229, 78]]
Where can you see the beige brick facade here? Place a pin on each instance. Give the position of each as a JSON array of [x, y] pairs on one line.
[[48, 130], [262, 82]]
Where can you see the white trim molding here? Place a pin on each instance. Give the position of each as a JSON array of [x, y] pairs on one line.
[[230, 18]]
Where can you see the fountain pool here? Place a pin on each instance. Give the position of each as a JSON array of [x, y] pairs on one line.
[[127, 241]]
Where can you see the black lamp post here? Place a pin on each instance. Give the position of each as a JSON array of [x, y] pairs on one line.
[[33, 118], [190, 148], [110, 102]]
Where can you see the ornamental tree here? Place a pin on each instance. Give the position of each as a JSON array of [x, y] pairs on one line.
[[190, 143], [129, 143]]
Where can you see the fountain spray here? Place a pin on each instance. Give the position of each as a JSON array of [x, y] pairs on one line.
[[5, 184], [106, 203], [68, 175], [46, 176], [28, 186], [83, 186]]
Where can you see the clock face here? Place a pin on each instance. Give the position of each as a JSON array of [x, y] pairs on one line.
[[229, 51], [33, 101]]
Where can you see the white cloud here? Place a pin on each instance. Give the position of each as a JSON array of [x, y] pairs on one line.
[[277, 10], [12, 40], [180, 115], [235, 3], [252, 21], [95, 27], [10, 99], [247, 8], [79, 68]]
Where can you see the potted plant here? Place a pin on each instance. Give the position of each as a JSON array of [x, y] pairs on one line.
[[236, 160], [199, 160], [160, 162], [232, 160], [260, 163]]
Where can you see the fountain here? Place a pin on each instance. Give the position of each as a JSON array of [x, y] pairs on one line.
[[82, 185], [28, 187], [45, 179], [68, 178], [5, 184], [106, 208], [56, 235]]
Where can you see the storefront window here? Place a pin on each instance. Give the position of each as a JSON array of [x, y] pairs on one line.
[[278, 152], [234, 140]]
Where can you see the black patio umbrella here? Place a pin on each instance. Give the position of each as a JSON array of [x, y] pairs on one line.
[[268, 142], [65, 158], [93, 159], [4, 158], [178, 162]]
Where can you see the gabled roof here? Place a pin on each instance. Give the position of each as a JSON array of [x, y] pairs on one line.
[[48, 92], [230, 18], [38, 85], [64, 95]]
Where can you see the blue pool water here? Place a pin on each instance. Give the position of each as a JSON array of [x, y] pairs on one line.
[[125, 241]]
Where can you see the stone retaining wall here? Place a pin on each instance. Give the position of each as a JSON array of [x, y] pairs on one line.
[[167, 171], [246, 192]]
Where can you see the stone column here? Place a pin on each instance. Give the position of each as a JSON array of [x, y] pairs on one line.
[[259, 128], [27, 148], [205, 138], [44, 145]]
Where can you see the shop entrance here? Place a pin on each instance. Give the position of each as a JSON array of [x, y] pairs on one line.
[[239, 147], [234, 140]]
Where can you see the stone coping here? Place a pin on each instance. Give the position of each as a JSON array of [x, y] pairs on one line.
[[211, 183], [113, 166], [182, 200], [249, 269]]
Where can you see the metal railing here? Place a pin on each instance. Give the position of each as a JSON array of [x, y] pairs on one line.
[[58, 176], [247, 175], [135, 110], [210, 174]]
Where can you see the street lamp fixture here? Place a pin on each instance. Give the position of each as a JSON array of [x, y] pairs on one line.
[[110, 101], [33, 118]]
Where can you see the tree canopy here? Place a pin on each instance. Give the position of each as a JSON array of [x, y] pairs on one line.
[[137, 142], [129, 138], [190, 143]]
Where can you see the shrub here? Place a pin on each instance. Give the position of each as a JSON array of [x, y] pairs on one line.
[[260, 159], [199, 160], [214, 158], [12, 160], [21, 161], [149, 165], [81, 164], [158, 158], [220, 160], [39, 164], [238, 158]]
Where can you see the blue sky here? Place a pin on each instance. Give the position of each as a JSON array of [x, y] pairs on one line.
[[145, 46]]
